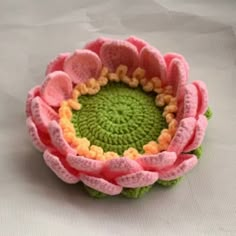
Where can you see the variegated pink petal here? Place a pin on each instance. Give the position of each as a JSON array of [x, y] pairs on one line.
[[84, 164], [170, 56], [153, 63], [190, 101], [96, 44], [58, 140], [34, 92], [199, 134], [57, 64], [137, 42], [101, 185], [138, 179], [157, 161], [183, 135], [42, 114], [188, 161], [56, 88], [82, 65], [33, 133], [120, 166], [180, 112], [54, 163], [117, 52], [202, 95], [177, 77]]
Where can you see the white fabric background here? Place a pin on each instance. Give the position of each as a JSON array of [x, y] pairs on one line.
[[33, 201]]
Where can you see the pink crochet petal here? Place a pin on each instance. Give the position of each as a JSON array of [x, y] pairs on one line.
[[56, 88], [184, 165], [138, 43], [120, 166], [84, 164], [177, 77], [101, 185], [58, 140], [139, 179], [157, 161], [57, 64], [82, 65], [42, 114], [202, 95], [117, 52], [183, 135], [96, 45], [170, 56], [54, 163], [153, 62], [180, 112], [33, 133], [190, 101], [34, 92], [199, 134]]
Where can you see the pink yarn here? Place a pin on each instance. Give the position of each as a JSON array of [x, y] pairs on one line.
[[157, 161], [138, 179], [153, 63], [56, 88], [138, 43], [190, 101], [57, 64], [95, 45], [112, 175], [183, 135], [184, 164], [116, 52], [82, 65]]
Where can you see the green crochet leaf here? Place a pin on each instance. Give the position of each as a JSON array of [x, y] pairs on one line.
[[94, 193], [136, 192], [198, 152], [209, 113], [168, 183]]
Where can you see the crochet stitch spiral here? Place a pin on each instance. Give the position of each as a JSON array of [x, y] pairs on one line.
[[118, 117]]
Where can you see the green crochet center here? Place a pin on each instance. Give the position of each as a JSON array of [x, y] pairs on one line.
[[119, 117]]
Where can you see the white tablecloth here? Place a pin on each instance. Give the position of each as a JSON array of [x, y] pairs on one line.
[[33, 201]]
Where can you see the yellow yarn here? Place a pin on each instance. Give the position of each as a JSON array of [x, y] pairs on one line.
[[121, 71], [104, 72], [148, 87], [151, 148], [102, 80], [139, 73], [133, 82], [156, 82], [82, 88], [131, 153], [74, 104], [110, 155], [113, 77]]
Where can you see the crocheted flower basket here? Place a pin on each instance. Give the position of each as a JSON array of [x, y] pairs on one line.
[[119, 117]]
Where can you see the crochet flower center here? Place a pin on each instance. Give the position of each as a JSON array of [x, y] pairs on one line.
[[119, 117]]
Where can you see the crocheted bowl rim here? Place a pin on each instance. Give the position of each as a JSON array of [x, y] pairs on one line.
[[51, 105]]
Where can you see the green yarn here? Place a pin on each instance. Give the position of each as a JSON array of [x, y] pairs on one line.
[[119, 117], [198, 152], [136, 192], [168, 183], [94, 193], [208, 113]]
